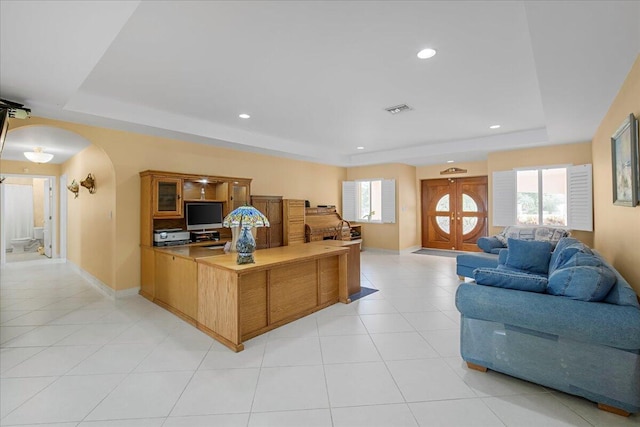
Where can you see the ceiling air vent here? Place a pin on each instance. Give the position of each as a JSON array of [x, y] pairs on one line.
[[398, 108]]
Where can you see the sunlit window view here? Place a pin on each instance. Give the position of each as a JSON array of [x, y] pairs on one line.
[[370, 196], [542, 197]]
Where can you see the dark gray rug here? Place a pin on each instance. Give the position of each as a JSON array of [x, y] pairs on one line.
[[363, 293], [439, 252]]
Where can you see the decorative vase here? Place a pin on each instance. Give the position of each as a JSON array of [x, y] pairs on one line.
[[246, 246]]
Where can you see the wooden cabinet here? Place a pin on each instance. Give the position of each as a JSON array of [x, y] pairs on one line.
[[167, 197], [293, 221], [162, 197], [271, 207]]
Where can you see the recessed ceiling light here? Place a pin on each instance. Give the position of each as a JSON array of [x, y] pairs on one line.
[[450, 161], [494, 127], [426, 53], [360, 148], [244, 116]]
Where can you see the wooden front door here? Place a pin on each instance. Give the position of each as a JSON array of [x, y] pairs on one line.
[[454, 212]]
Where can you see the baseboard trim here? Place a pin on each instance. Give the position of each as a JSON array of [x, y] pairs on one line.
[[410, 249], [100, 286], [393, 251]]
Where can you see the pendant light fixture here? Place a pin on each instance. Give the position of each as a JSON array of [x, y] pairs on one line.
[[38, 156]]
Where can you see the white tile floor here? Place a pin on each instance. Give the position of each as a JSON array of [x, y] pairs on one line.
[[71, 357]]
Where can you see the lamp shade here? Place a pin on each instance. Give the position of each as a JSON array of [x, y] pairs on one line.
[[245, 216], [38, 156]]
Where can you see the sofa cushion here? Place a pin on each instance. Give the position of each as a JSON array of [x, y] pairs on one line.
[[528, 255], [582, 282], [510, 279], [562, 255]]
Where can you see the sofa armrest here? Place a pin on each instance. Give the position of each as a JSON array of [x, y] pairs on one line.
[[595, 322], [489, 244]]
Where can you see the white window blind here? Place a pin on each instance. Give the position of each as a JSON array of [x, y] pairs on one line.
[[349, 200], [580, 197], [504, 198]]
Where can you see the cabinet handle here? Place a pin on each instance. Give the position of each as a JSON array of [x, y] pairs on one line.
[[178, 197]]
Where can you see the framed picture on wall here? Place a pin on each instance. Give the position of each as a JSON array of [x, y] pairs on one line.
[[624, 157]]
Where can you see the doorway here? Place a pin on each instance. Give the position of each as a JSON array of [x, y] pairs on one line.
[[28, 207], [454, 212]]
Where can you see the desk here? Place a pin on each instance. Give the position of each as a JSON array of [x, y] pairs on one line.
[[233, 303]]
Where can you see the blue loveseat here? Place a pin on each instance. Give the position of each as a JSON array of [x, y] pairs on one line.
[[575, 327]]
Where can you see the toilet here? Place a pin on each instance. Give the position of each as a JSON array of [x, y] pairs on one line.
[[38, 234], [19, 244]]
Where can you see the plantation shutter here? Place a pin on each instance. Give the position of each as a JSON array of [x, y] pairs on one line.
[[504, 198], [349, 200], [580, 197]]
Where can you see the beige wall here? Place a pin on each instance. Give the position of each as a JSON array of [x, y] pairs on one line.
[[433, 171], [131, 153], [91, 231], [617, 227], [575, 154], [404, 233], [38, 202]]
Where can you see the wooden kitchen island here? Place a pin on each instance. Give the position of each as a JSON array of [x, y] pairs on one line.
[[233, 303]]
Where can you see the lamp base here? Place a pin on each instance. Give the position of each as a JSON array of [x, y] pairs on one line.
[[246, 246]]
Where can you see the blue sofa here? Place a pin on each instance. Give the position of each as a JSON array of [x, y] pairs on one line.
[[492, 245], [575, 328]]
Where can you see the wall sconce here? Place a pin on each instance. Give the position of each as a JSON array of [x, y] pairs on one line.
[[89, 183], [74, 188]]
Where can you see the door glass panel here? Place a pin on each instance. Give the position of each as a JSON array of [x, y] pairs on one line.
[[468, 204], [443, 223], [167, 196], [443, 204], [468, 224]]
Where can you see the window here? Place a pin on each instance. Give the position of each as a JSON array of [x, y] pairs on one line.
[[558, 196], [542, 196], [369, 200]]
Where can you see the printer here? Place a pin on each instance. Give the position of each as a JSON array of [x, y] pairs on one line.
[[170, 237]]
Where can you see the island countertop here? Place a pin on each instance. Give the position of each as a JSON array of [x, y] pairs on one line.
[[273, 257], [191, 252]]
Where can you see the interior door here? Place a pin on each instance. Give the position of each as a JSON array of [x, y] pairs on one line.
[[48, 202], [454, 212]]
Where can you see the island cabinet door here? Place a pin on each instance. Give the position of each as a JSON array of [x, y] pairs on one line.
[[176, 283], [293, 291], [253, 304]]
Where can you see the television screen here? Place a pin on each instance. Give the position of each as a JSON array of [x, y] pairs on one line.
[[203, 215]]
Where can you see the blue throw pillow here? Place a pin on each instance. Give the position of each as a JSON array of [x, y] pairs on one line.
[[529, 255], [510, 279], [583, 282]]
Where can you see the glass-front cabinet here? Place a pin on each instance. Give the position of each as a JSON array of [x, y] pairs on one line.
[[239, 194], [167, 200]]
